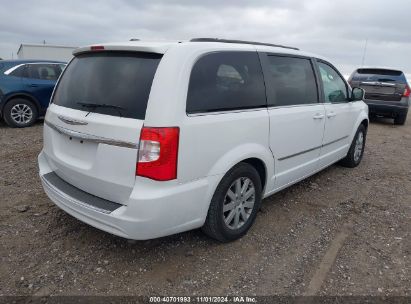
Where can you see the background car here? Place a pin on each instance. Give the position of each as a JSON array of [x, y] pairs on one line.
[[25, 89], [387, 92]]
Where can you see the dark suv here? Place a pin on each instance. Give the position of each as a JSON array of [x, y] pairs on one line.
[[25, 89], [387, 92]]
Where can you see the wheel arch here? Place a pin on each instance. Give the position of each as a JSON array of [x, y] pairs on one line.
[[365, 123], [361, 120], [260, 166], [26, 96], [254, 154]]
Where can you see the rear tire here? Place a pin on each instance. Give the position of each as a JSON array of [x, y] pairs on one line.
[[356, 150], [235, 204], [400, 119], [20, 113]]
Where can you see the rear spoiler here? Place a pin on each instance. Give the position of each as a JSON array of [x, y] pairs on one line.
[[146, 48]]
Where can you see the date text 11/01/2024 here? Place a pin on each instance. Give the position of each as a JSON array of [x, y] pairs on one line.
[[203, 299]]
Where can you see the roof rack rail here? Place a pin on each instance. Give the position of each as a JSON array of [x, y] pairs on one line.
[[241, 42]]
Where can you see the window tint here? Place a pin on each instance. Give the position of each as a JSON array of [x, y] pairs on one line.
[[44, 71], [226, 81], [20, 71], [291, 81], [335, 89], [112, 83]]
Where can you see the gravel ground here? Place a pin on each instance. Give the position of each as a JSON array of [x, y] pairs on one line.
[[340, 232]]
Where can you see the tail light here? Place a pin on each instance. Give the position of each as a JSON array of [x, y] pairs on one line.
[[158, 153], [97, 48], [407, 91]]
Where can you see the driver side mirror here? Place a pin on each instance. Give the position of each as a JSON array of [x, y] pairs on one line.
[[357, 94]]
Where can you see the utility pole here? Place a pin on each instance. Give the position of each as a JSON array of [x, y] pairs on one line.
[[365, 50]]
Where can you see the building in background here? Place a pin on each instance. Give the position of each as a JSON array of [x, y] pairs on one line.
[[45, 52]]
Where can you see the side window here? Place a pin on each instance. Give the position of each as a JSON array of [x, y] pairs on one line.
[[20, 71], [335, 89], [44, 71], [62, 67], [58, 68], [291, 81], [226, 81]]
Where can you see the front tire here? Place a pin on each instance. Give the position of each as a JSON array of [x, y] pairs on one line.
[[20, 113], [235, 204], [356, 150]]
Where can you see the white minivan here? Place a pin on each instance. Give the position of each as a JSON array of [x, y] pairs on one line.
[[147, 139]]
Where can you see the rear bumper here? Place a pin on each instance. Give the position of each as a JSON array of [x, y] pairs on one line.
[[387, 108], [152, 211]]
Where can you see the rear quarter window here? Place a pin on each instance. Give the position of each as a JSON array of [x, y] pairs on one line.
[[117, 83], [225, 81]]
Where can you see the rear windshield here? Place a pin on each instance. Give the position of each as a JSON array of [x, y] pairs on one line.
[[111, 83], [381, 75]]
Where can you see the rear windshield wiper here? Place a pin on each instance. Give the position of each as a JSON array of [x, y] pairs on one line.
[[385, 80], [97, 105]]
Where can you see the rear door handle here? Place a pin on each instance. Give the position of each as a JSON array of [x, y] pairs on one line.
[[331, 114], [318, 116], [33, 85]]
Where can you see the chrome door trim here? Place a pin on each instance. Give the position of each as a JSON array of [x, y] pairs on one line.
[[379, 83], [91, 138], [9, 71], [299, 153], [312, 149], [334, 141]]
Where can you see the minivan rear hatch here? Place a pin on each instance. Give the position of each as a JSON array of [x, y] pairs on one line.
[[380, 84], [93, 125]]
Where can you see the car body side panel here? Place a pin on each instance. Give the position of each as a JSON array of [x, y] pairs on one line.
[[40, 89], [37, 90], [209, 146]]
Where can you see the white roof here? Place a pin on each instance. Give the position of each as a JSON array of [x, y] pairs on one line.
[[160, 47]]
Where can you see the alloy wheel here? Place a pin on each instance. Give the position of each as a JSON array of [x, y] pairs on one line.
[[239, 203], [359, 144], [21, 113]]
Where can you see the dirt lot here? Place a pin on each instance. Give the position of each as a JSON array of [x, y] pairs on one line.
[[341, 232]]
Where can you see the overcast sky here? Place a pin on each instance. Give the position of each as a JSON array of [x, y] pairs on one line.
[[335, 29]]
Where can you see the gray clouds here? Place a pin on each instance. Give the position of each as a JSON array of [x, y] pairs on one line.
[[333, 29]]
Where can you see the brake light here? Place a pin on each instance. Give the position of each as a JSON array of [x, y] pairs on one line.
[[158, 153], [97, 48], [407, 91]]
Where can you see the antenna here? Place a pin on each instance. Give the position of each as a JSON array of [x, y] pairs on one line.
[[363, 55]]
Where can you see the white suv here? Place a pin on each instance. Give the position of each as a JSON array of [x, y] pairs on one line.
[[147, 139]]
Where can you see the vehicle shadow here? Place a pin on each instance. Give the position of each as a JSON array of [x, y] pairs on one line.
[[73, 229], [381, 120], [3, 124]]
